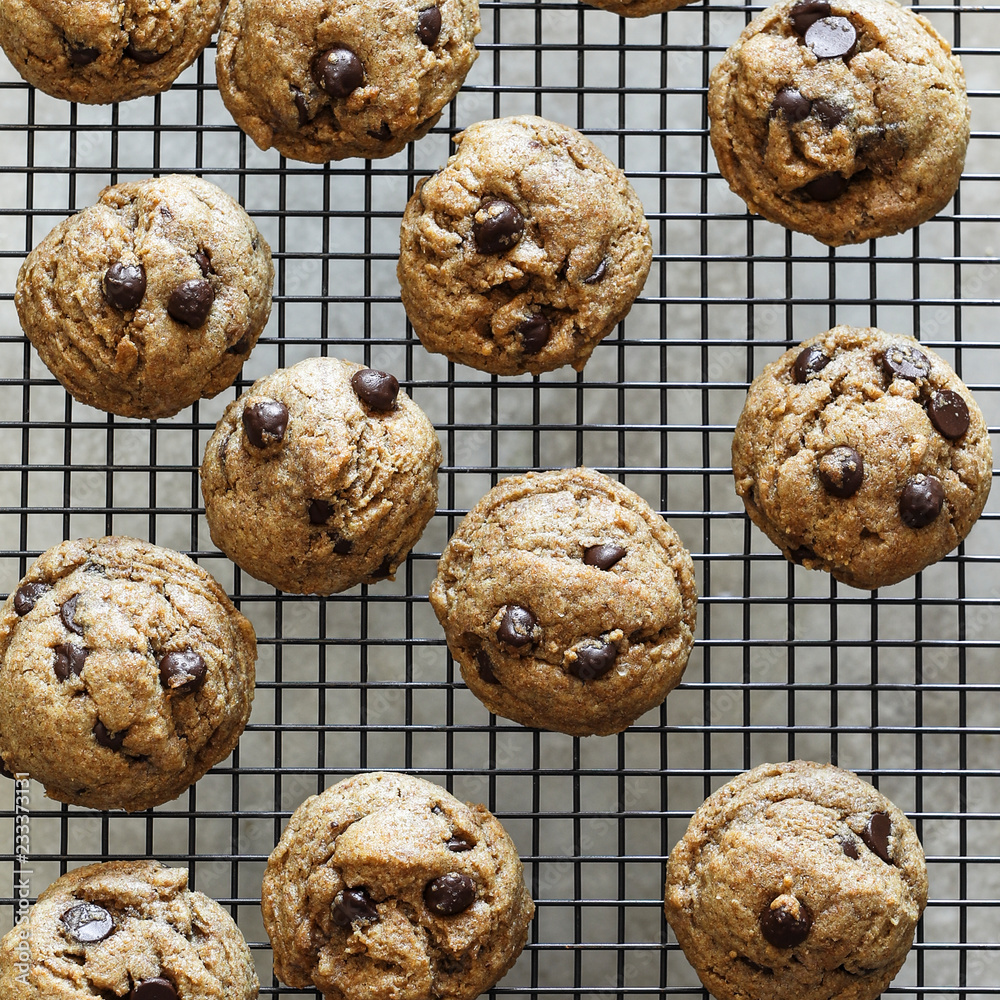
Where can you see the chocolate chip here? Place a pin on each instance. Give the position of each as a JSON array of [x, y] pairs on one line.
[[876, 835], [125, 285], [113, 741], [153, 989], [68, 615], [182, 670], [265, 423], [88, 922], [384, 133], [850, 847], [786, 922], [921, 500], [459, 843], [319, 511], [602, 269], [144, 56], [166, 213], [516, 626], [801, 554], [376, 389], [791, 104], [343, 546], [826, 187], [26, 596], [450, 894], [497, 226], [339, 71], [949, 413], [830, 114], [804, 15], [810, 361], [603, 556], [191, 302], [202, 260], [906, 362], [241, 346], [841, 471], [429, 26], [485, 668], [593, 662], [384, 570], [301, 107], [353, 904], [5, 771], [830, 37], [82, 55], [535, 332], [69, 659]]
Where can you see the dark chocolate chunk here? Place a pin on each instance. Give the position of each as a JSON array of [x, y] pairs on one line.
[[450, 894], [241, 346], [830, 114], [850, 847], [339, 71], [429, 26], [906, 362], [125, 285], [5, 771], [88, 923], [376, 389], [593, 662], [182, 670], [791, 104], [876, 835], [949, 413], [203, 261], [841, 471], [497, 226], [144, 56], [921, 500], [786, 924], [26, 596], [265, 423], [353, 904], [384, 569], [602, 269], [826, 187], [459, 843], [810, 361], [69, 659], [830, 37], [801, 554], [153, 989], [535, 332], [804, 15], [113, 741], [191, 302], [343, 546], [68, 615], [603, 556], [516, 626], [384, 133], [319, 511], [82, 55], [301, 107], [484, 667]]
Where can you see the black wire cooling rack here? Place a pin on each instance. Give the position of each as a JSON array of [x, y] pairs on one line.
[[900, 685]]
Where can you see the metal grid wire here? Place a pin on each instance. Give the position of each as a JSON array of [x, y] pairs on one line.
[[900, 686]]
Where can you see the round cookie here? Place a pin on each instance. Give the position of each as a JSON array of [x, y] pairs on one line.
[[567, 602], [126, 929], [796, 881], [845, 120], [325, 79], [321, 476], [104, 51], [637, 8], [125, 673], [385, 885], [524, 252], [862, 453], [150, 299]]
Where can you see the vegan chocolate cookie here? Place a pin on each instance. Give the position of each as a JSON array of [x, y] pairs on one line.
[[104, 51], [320, 477], [862, 453], [845, 120], [150, 299], [524, 252], [325, 79], [796, 881], [385, 885], [637, 8], [125, 673], [130, 930], [567, 602]]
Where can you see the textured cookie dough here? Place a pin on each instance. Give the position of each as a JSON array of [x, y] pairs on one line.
[[324, 79], [130, 930], [524, 251], [567, 602], [845, 120], [150, 299], [321, 476], [125, 673], [101, 51], [862, 453], [796, 881], [387, 886]]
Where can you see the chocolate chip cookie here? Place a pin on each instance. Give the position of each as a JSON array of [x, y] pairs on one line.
[[130, 930], [385, 885], [324, 79], [862, 453], [567, 602], [104, 51], [845, 120], [796, 881], [320, 477], [637, 8], [524, 252], [150, 299], [125, 673]]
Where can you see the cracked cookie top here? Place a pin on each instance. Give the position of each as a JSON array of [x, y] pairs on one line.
[[524, 251], [125, 673], [844, 120], [386, 885], [130, 930], [862, 453], [796, 881], [150, 299]]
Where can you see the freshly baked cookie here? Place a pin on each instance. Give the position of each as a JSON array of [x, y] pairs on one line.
[[150, 299], [796, 881], [126, 929], [567, 602], [125, 673], [387, 886], [637, 8], [324, 79], [104, 51], [862, 453], [524, 251], [845, 120], [321, 476]]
